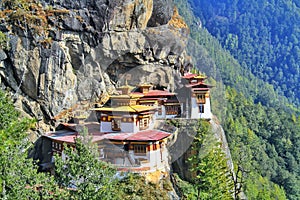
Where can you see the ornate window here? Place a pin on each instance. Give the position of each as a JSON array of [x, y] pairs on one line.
[[201, 98], [144, 123], [140, 148], [116, 124], [57, 147], [172, 109]]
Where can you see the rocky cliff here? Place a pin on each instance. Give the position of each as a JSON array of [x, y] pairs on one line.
[[68, 54]]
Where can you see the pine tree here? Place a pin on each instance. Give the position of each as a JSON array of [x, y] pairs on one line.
[[211, 175], [83, 174], [19, 177]]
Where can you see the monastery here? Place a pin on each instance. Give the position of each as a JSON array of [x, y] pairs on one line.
[[125, 131]]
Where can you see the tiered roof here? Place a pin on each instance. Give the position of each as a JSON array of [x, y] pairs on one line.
[[196, 82]]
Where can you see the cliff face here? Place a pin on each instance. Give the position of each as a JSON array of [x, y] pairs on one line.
[[93, 45]]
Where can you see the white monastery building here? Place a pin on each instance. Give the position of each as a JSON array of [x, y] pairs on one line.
[[125, 132]]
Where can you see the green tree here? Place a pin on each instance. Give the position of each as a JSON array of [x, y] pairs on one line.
[[263, 35], [3, 41], [19, 177], [259, 187], [211, 174], [83, 174], [185, 189], [135, 186], [257, 117]]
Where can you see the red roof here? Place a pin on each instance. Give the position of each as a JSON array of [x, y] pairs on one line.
[[147, 135], [189, 75], [158, 93], [150, 98], [118, 136], [199, 84], [154, 93], [69, 133], [62, 136]]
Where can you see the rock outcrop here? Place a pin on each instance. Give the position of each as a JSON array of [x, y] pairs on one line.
[[92, 47]]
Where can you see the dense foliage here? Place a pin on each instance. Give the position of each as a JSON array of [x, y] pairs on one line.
[[134, 186], [265, 139], [265, 144], [18, 175], [209, 56], [83, 175], [210, 177], [263, 35]]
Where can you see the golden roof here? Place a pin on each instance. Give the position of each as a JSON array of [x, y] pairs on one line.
[[135, 108], [126, 96], [145, 85], [201, 76]]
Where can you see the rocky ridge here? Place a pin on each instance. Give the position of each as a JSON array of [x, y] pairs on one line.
[[92, 47]]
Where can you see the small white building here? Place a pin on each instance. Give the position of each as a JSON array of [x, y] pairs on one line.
[[197, 101]]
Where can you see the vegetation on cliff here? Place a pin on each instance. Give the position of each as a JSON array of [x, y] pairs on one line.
[[18, 175], [209, 175], [28, 16]]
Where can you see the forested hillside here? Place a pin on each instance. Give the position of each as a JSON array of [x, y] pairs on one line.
[[262, 128], [263, 35]]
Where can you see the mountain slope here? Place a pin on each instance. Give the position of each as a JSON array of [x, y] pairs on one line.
[[261, 126], [262, 35]]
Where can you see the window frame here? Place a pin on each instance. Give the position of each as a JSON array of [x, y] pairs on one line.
[[201, 108], [144, 123], [116, 124], [140, 149]]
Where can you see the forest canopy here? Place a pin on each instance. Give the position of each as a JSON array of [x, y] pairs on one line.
[[261, 125], [262, 35]]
